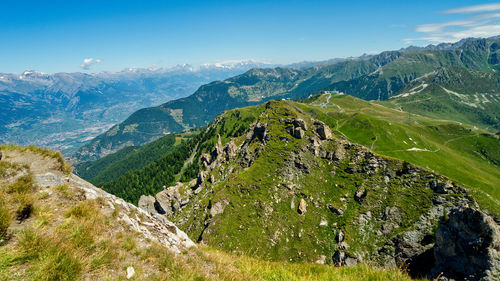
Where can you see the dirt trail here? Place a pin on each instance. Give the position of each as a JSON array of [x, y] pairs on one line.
[[37, 163]]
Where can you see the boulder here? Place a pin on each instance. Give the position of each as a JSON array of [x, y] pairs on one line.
[[360, 194], [467, 246], [343, 245], [218, 148], [339, 258], [321, 259], [230, 149], [323, 130], [302, 206], [300, 123], [339, 153], [259, 132], [441, 187], [130, 272], [217, 208], [147, 203]]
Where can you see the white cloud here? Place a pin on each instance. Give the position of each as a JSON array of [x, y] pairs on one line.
[[475, 9], [484, 23], [87, 63]]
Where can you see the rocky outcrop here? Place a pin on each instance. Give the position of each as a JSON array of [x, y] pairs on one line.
[[147, 203], [323, 130], [467, 246], [297, 128], [170, 199], [150, 225]]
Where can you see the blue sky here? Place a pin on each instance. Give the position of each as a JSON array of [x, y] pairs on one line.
[[55, 36]]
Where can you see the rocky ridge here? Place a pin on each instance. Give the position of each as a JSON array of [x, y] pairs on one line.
[[150, 225], [358, 206]]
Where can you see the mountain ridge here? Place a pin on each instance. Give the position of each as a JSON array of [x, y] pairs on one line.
[[373, 77]]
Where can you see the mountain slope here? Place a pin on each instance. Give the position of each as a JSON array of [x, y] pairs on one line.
[[64, 110], [131, 158], [252, 87], [452, 93], [474, 54], [287, 189], [467, 155], [373, 77], [75, 231]]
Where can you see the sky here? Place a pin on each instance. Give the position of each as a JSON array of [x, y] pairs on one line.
[[93, 36]]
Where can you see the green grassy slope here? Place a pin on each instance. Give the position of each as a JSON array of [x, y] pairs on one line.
[[454, 93], [250, 204], [467, 155], [392, 77]]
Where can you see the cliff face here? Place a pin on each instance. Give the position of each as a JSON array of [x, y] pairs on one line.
[[290, 189]]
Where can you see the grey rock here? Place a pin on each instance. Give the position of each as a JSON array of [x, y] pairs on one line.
[[392, 214], [365, 218], [441, 187], [298, 122], [130, 272], [259, 132], [343, 245], [339, 153], [323, 130], [321, 259], [218, 208], [205, 159], [230, 149], [360, 194], [218, 149], [147, 203], [49, 180], [350, 262], [338, 258], [468, 246], [388, 228]]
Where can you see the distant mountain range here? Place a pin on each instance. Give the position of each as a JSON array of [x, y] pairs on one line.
[[64, 110], [370, 77]]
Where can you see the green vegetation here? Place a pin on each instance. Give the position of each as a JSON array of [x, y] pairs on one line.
[[469, 156], [261, 201], [453, 93], [111, 167], [80, 241], [172, 167], [5, 219]]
